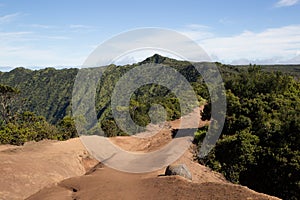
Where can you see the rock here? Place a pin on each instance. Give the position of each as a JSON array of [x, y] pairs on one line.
[[180, 169]]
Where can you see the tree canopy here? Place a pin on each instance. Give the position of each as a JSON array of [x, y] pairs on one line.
[[259, 146]]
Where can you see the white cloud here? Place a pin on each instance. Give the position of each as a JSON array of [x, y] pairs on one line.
[[43, 26], [55, 37], [226, 21], [5, 69], [30, 56], [22, 49], [285, 3], [8, 18], [197, 32], [79, 26], [294, 60], [8, 37], [269, 46], [12, 38], [197, 26], [154, 40]]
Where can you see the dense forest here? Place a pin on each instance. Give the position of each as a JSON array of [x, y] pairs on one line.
[[259, 145], [47, 92]]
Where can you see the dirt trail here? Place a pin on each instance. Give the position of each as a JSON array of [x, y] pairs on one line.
[[157, 136], [54, 170], [27, 169], [106, 183]]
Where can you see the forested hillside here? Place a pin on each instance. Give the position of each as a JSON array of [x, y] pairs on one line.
[[47, 91], [259, 145]]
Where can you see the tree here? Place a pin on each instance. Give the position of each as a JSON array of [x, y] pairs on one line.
[[259, 145], [7, 97], [67, 128]]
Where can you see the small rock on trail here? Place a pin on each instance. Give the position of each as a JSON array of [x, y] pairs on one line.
[[180, 169]]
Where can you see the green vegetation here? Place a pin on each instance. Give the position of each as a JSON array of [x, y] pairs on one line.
[[7, 97], [292, 70], [47, 92], [144, 97], [259, 145], [18, 127], [29, 127]]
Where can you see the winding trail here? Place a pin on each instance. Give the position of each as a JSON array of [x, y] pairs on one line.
[[65, 171]]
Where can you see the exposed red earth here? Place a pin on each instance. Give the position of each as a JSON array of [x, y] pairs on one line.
[[65, 170]]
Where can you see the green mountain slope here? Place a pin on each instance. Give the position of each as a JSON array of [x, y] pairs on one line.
[[47, 91], [259, 145]]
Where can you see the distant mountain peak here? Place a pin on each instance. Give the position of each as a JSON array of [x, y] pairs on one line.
[[156, 58]]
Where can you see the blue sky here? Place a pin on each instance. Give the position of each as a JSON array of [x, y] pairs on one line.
[[36, 33]]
